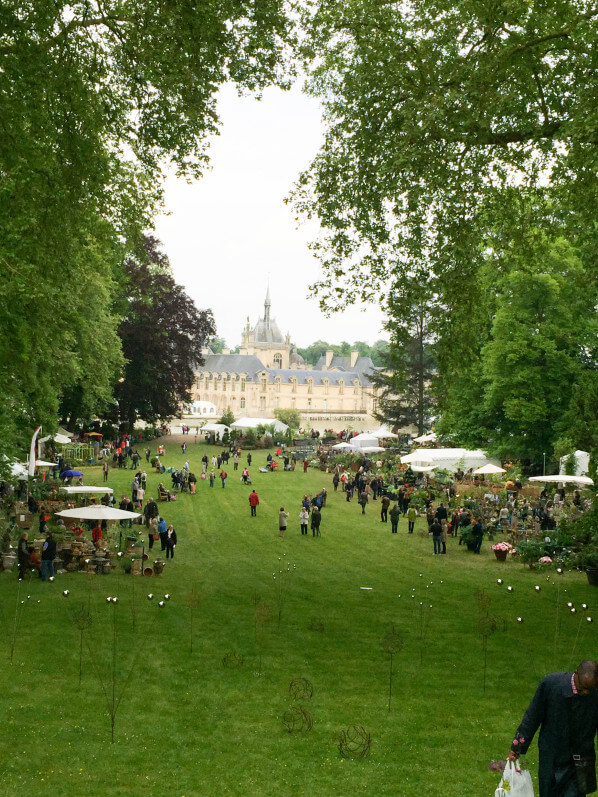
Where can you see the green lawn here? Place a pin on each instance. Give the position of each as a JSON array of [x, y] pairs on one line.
[[189, 725]]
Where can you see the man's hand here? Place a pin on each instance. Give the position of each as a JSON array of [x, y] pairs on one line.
[[513, 756]]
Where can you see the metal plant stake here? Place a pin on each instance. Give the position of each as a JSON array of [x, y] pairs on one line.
[[192, 601], [261, 618], [81, 621], [391, 642], [113, 700]]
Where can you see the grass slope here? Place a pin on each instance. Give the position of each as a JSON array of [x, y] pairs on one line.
[[188, 725]]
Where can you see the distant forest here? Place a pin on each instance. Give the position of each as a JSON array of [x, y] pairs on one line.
[[312, 353]]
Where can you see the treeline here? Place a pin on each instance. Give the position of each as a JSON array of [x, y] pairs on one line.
[[312, 353]]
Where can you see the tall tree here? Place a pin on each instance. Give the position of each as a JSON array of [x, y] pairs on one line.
[[162, 335], [408, 364], [95, 97]]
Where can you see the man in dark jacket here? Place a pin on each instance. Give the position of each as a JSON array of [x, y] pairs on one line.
[[566, 706], [48, 555], [436, 531]]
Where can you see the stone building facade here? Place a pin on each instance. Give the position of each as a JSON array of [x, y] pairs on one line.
[[268, 373]]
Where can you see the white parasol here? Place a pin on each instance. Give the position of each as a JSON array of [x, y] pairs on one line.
[[340, 446], [584, 481], [80, 489], [490, 468], [98, 512]]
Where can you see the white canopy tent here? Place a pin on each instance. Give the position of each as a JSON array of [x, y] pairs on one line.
[[561, 478], [99, 512], [383, 433], [42, 463], [448, 458], [582, 462], [365, 439], [368, 449], [425, 438], [219, 428], [18, 470], [61, 439], [423, 468], [253, 423], [343, 447]]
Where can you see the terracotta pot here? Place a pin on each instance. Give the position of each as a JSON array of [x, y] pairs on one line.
[[147, 571], [158, 567]]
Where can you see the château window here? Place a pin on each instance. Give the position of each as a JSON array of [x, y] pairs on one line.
[[356, 386], [278, 384], [242, 385], [341, 387], [310, 385], [294, 384], [263, 383], [278, 360], [224, 382], [242, 402], [326, 384]]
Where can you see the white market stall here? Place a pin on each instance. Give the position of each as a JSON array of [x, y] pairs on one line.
[[214, 428], [252, 423], [364, 440], [582, 462], [448, 458]]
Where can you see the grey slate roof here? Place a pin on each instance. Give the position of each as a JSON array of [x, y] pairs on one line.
[[232, 364], [362, 367], [249, 364]]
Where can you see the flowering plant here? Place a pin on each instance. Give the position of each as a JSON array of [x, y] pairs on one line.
[[545, 560], [502, 546]]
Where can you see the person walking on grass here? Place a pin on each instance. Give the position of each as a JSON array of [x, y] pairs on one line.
[[253, 502], [170, 542], [316, 519], [303, 519], [282, 521], [411, 515], [565, 707], [212, 477], [163, 532], [395, 514], [384, 509], [223, 477], [48, 555], [436, 531], [363, 499]]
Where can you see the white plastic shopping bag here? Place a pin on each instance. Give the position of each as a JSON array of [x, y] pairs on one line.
[[515, 782]]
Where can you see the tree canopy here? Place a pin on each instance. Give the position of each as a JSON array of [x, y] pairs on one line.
[[461, 138], [95, 99], [162, 335]]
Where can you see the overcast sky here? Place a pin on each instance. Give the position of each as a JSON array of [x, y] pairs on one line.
[[230, 233]]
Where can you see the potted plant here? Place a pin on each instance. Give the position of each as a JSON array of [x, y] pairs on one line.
[[126, 563], [531, 551], [467, 537], [587, 559], [501, 550]]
